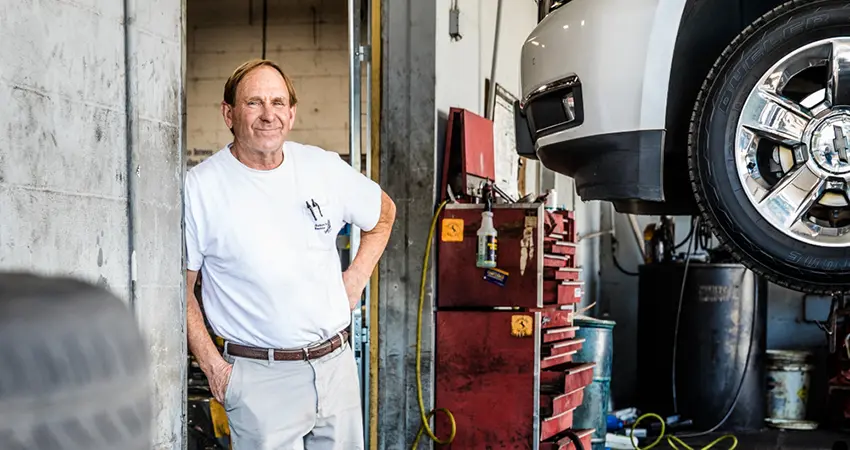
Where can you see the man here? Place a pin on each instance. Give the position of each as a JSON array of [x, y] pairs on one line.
[[262, 216]]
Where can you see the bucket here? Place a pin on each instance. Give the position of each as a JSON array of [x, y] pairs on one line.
[[788, 378], [598, 347]]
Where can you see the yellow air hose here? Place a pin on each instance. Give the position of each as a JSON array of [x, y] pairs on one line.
[[673, 440], [425, 427]]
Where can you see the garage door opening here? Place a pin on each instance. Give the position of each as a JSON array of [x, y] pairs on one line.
[[324, 50]]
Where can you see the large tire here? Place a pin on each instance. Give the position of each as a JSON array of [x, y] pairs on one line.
[[73, 368], [734, 219]]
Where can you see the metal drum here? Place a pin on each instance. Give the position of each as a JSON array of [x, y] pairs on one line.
[[716, 334], [788, 380], [598, 347]]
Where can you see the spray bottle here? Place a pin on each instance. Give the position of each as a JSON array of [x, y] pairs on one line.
[[486, 256]]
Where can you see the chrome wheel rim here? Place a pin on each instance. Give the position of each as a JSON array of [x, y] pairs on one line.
[[792, 144]]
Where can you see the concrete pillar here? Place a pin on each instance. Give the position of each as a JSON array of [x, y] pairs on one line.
[[408, 175], [156, 107], [91, 166]]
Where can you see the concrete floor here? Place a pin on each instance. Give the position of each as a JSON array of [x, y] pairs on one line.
[[770, 439]]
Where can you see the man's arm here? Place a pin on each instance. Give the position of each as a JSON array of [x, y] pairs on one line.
[[372, 245], [201, 345]]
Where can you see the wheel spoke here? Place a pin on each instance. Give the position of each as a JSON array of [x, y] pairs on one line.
[[792, 196], [775, 117], [838, 85], [786, 69]]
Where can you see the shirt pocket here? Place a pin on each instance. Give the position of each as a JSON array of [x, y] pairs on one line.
[[321, 221]]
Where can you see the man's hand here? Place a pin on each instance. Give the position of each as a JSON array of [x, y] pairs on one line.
[[355, 283], [219, 378], [201, 345]]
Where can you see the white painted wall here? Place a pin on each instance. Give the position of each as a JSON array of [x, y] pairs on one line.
[[463, 65]]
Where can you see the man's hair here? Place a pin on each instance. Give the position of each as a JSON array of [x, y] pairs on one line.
[[233, 82]]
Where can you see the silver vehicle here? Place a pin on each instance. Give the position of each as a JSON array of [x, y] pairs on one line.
[[738, 110]]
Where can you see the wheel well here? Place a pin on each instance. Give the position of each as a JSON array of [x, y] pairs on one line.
[[706, 28]]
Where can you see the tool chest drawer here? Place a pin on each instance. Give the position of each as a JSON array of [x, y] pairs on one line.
[[566, 378], [555, 404], [564, 443], [551, 426], [562, 292], [558, 334]]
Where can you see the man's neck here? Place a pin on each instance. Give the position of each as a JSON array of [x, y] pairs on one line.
[[255, 159]]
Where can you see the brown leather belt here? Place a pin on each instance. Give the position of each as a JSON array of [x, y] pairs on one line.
[[302, 354]]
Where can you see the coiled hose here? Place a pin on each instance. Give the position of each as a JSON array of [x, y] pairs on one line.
[[673, 440]]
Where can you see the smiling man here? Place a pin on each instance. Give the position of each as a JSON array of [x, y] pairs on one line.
[[262, 216]]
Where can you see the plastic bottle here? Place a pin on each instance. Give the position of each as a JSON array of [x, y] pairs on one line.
[[486, 258]]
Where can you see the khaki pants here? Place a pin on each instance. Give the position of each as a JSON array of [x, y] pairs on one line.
[[295, 405]]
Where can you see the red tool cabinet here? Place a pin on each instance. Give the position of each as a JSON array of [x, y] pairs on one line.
[[505, 340]]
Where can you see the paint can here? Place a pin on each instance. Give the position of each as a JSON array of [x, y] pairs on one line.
[[788, 380], [598, 347]]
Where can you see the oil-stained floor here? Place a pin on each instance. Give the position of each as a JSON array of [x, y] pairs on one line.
[[771, 439]]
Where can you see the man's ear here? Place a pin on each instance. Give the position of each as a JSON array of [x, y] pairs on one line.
[[292, 111], [227, 113]]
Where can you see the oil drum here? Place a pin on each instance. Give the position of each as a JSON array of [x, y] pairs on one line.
[[722, 323]]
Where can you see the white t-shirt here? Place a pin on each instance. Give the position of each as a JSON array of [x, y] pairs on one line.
[[271, 272]]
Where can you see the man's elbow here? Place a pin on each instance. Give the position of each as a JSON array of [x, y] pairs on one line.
[[388, 208]]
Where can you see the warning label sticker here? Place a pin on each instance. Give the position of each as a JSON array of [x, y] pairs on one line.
[[452, 230]]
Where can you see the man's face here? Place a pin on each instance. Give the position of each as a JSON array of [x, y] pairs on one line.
[[262, 116]]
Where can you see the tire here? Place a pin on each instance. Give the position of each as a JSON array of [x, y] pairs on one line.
[[73, 368], [721, 195]]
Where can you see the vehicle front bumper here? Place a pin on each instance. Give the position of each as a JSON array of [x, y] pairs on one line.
[[612, 143]]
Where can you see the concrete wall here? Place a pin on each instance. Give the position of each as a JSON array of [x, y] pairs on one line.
[[66, 92], [309, 38], [408, 174]]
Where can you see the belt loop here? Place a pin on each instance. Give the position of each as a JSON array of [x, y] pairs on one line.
[[341, 339], [226, 345], [306, 354], [271, 356]]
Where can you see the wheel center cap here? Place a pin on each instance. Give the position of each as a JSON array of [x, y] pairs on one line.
[[829, 145]]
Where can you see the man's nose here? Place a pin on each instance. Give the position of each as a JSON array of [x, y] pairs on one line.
[[268, 113]]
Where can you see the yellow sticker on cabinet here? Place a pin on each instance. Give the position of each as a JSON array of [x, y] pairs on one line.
[[522, 326], [452, 230]]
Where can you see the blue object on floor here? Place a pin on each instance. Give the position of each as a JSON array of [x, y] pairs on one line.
[[598, 347]]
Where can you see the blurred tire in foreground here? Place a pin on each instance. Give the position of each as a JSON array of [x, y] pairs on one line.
[[73, 368]]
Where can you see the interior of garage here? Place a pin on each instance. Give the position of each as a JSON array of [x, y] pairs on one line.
[[139, 104]]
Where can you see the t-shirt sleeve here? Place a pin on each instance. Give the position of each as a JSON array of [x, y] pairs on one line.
[[194, 255], [360, 197]]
